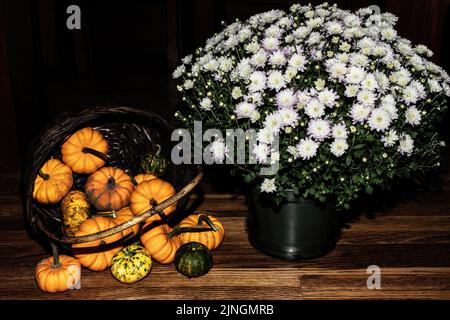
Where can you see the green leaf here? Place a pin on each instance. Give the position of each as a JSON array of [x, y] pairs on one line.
[[359, 146], [348, 161], [369, 189]]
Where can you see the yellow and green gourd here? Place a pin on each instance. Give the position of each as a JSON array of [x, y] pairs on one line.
[[75, 209], [131, 264]]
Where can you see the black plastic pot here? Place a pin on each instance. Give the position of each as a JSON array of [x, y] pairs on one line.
[[297, 229]]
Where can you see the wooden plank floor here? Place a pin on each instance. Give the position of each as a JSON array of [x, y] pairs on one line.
[[410, 242]]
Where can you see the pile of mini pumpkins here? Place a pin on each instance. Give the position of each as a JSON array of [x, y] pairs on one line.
[[112, 196]]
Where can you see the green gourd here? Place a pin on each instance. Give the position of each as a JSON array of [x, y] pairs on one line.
[[193, 259], [154, 163]]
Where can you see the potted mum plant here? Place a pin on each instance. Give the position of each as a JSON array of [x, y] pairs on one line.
[[352, 104]]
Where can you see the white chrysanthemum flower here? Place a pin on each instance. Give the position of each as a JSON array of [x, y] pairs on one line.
[[273, 121], [277, 58], [388, 34], [303, 98], [225, 64], [244, 110], [244, 34], [338, 147], [343, 58], [359, 60], [187, 59], [244, 68], [179, 71], [379, 120], [270, 43], [268, 185], [265, 135], [351, 91], [255, 116], [359, 113], [273, 31], [307, 148], [276, 80], [337, 70], [206, 104], [293, 150], [298, 62], [255, 98], [366, 98], [261, 152], [290, 74], [370, 83], [328, 97], [236, 93], [406, 144], [289, 116], [257, 81], [333, 27], [413, 116], [314, 108], [252, 47], [339, 131], [410, 95], [319, 129], [355, 75], [219, 151], [188, 84], [259, 59], [434, 85], [286, 98], [390, 138]]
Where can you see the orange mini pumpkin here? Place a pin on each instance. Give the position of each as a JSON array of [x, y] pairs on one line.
[[109, 189], [212, 239], [96, 255], [85, 151], [53, 182], [159, 242], [123, 215], [149, 194], [61, 276], [144, 177]]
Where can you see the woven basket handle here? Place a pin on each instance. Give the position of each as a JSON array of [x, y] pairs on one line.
[[123, 226]]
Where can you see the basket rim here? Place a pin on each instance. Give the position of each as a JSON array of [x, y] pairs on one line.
[[127, 224], [92, 113]]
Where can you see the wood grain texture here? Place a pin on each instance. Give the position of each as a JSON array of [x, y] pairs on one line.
[[410, 242]]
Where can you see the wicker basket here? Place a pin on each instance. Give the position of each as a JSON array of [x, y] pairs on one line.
[[130, 133]]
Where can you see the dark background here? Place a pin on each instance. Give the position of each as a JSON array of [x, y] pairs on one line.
[[126, 51]]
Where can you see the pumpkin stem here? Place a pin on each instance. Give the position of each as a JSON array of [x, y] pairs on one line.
[[43, 175], [159, 149], [111, 182], [55, 251], [153, 202], [109, 214], [178, 230], [96, 153], [133, 180], [208, 221]]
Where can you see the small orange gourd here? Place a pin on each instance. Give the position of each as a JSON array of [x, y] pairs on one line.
[[58, 274], [96, 255], [212, 239], [109, 189], [123, 215], [53, 182], [150, 193], [85, 151], [159, 242], [144, 177]]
